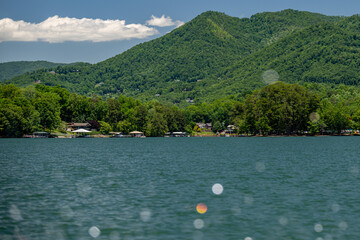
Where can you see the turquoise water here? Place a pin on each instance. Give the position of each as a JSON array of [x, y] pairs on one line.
[[273, 188]]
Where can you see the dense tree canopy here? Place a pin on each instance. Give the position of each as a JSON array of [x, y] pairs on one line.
[[278, 108]]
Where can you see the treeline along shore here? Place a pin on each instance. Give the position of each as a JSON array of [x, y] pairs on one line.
[[276, 109]]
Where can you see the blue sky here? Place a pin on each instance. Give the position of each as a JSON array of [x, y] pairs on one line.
[[67, 31]]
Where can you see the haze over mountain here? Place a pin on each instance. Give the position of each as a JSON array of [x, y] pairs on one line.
[[215, 55]]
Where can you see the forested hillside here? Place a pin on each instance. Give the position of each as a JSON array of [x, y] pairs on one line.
[[278, 108], [215, 55], [321, 53], [9, 70]]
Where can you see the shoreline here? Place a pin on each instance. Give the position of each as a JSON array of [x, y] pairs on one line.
[[199, 136]]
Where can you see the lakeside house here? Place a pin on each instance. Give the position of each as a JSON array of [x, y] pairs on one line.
[[205, 126], [76, 126], [176, 134], [137, 134], [230, 129], [119, 135], [40, 134], [90, 126]]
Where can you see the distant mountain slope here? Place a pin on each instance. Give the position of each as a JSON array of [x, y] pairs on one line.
[[325, 52], [9, 70], [211, 56]]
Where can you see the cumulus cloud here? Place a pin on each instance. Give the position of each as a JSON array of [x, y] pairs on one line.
[[59, 29], [163, 22]]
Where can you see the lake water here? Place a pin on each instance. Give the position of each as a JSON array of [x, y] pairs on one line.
[[273, 188]]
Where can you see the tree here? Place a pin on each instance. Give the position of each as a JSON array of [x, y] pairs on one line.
[[11, 121], [78, 109], [279, 108], [125, 126], [356, 120], [49, 110], [105, 128], [140, 117], [175, 118], [114, 113], [217, 127], [98, 109], [157, 126], [335, 117], [9, 91]]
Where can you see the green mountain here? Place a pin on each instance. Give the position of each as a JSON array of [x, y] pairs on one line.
[[321, 53], [215, 55], [9, 70]]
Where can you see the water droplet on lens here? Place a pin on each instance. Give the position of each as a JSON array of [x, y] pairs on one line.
[[52, 231], [83, 189], [270, 76], [145, 215], [318, 227], [283, 221], [314, 117], [201, 208], [66, 212], [236, 211], [15, 213], [328, 237], [94, 232], [354, 170], [335, 207], [217, 188], [248, 200], [260, 166], [199, 223], [343, 225]]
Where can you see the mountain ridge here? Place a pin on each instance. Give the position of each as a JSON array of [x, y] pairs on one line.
[[11, 69], [202, 58]]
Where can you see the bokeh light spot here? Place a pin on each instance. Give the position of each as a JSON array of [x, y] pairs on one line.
[[248, 200], [15, 213], [145, 215], [270, 76], [201, 208], [66, 213], [236, 211], [260, 166], [83, 189], [354, 170], [343, 225], [199, 223], [217, 189], [335, 207], [328, 237], [283, 221], [314, 117], [318, 227], [94, 231], [248, 238]]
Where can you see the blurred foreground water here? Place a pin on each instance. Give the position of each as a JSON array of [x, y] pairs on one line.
[[180, 188]]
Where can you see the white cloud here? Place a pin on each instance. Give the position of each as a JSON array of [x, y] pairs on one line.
[[163, 22], [57, 29]]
